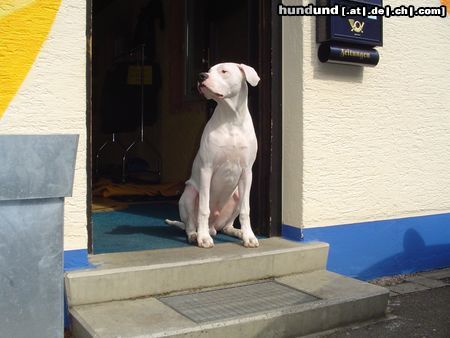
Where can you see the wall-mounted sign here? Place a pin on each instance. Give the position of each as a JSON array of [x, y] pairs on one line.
[[349, 38], [347, 54]]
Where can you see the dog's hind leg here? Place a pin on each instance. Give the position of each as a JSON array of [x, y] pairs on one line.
[[230, 230], [227, 216], [188, 207]]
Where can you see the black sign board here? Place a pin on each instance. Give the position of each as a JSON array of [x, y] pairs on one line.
[[353, 29], [336, 52]]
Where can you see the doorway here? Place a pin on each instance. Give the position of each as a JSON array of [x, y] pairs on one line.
[[146, 118]]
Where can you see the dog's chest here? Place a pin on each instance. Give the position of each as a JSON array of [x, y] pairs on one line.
[[232, 144]]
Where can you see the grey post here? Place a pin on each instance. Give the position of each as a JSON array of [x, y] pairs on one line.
[[36, 173]]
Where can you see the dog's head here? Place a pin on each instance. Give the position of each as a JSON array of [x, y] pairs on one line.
[[226, 80]]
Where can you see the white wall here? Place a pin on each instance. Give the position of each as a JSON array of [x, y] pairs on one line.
[[52, 100], [365, 144]]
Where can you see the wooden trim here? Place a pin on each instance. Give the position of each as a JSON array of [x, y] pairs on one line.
[[266, 197], [277, 130], [89, 149]]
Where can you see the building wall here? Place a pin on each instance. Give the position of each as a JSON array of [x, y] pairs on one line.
[[43, 85], [360, 144], [368, 145], [373, 142]]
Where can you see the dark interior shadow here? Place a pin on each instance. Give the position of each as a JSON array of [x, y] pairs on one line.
[[168, 232], [118, 232], [161, 231]]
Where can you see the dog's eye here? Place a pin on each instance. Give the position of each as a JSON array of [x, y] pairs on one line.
[[224, 71]]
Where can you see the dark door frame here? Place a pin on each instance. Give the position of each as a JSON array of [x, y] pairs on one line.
[[89, 6], [266, 196], [268, 163]]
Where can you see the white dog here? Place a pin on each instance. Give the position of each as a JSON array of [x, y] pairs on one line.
[[219, 188]]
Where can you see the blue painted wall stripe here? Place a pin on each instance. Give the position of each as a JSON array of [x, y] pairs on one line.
[[76, 259], [381, 248]]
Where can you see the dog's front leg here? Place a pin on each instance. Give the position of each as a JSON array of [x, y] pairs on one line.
[[245, 183], [204, 239]]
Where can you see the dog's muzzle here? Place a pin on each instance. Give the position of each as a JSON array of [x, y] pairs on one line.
[[201, 77]]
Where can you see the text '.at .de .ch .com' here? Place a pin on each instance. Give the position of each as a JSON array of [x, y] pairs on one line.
[[365, 11]]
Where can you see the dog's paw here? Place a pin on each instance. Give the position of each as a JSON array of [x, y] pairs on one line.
[[192, 237], [250, 241], [205, 240]]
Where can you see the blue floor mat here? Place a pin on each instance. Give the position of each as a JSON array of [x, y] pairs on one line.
[[140, 227]]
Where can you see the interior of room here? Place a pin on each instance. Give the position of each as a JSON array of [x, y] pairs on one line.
[[146, 114]]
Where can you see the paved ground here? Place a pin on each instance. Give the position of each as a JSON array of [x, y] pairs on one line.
[[419, 306]]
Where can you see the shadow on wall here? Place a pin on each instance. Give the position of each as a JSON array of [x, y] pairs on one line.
[[416, 256], [382, 248]]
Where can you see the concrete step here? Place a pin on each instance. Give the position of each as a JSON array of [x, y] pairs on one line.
[[123, 276], [288, 306]]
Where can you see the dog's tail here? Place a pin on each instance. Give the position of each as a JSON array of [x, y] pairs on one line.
[[178, 224]]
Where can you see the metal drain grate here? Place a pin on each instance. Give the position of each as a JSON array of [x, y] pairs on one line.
[[236, 301]]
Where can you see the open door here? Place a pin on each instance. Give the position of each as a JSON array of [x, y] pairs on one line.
[[188, 37]]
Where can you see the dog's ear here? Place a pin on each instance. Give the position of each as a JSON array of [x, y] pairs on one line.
[[250, 74]]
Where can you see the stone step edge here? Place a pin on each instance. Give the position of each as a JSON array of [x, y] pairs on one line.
[[80, 286]]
